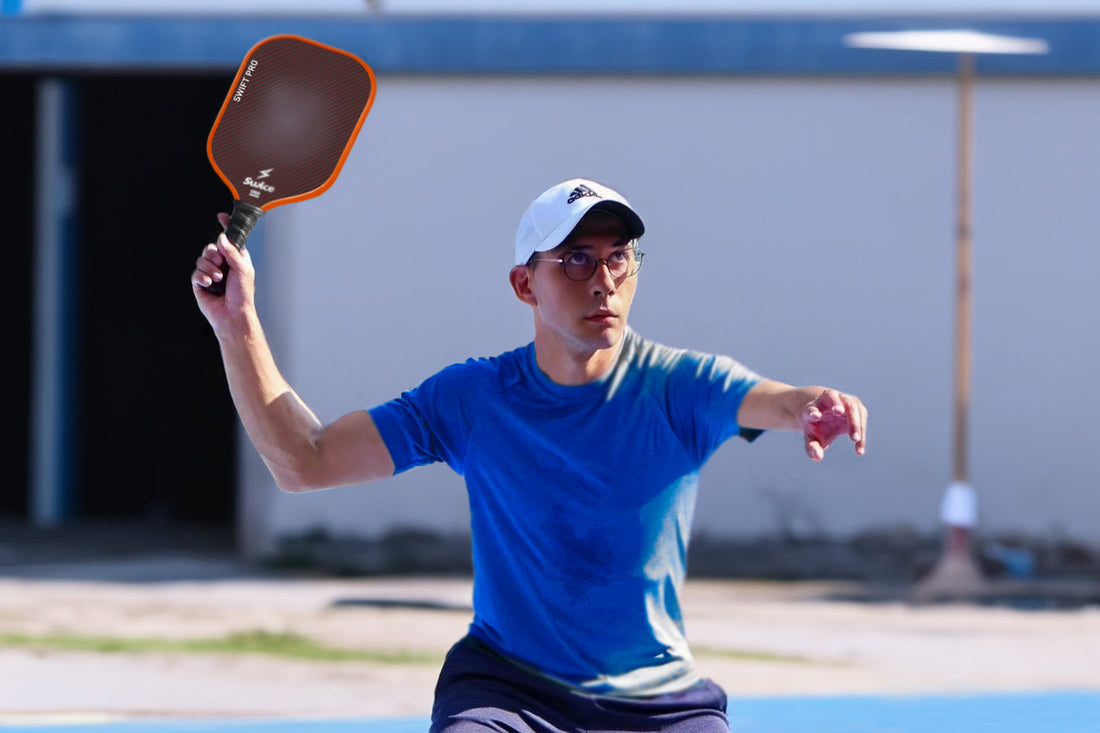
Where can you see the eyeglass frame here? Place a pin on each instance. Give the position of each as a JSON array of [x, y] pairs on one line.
[[596, 262]]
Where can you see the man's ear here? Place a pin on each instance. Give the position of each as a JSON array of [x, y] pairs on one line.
[[520, 277]]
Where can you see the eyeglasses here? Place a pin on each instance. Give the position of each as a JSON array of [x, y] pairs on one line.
[[580, 265]]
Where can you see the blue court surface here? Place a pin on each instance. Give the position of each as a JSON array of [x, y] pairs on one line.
[[1059, 712]]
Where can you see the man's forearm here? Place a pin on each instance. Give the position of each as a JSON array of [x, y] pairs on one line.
[[280, 425], [774, 405]]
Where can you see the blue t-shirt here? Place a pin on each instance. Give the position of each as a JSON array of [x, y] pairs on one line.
[[581, 501]]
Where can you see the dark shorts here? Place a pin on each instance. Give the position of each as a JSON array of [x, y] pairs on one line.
[[479, 691]]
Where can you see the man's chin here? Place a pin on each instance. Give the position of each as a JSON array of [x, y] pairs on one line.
[[607, 338]]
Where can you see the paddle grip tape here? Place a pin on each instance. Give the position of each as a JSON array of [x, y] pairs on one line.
[[242, 220]]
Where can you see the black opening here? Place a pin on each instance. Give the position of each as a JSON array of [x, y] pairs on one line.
[[17, 192], [155, 426]]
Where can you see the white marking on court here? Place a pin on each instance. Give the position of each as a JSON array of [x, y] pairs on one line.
[[8, 720]]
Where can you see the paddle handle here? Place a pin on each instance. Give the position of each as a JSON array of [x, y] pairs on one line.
[[241, 221]]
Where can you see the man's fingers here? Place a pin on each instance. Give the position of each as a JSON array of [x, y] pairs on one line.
[[825, 413], [227, 248], [236, 260], [860, 433], [831, 415], [857, 421], [814, 450], [204, 277], [851, 409], [210, 257], [830, 401], [207, 267], [201, 280], [231, 256]]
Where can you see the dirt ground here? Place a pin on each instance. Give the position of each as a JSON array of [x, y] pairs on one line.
[[753, 638]]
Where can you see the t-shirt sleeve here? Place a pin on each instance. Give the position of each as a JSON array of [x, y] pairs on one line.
[[706, 394], [430, 423]]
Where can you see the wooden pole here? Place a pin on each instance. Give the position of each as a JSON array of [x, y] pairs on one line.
[[957, 574], [963, 262]]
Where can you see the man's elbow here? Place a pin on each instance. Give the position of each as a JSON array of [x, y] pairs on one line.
[[296, 479], [295, 487], [298, 469], [302, 481]]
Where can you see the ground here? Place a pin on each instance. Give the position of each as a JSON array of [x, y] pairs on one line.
[[754, 638]]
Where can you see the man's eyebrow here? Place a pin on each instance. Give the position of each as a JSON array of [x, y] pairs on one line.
[[577, 246]]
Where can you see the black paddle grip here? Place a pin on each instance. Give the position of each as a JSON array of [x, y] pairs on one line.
[[241, 221]]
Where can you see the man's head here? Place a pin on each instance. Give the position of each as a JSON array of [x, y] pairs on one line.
[[578, 274]]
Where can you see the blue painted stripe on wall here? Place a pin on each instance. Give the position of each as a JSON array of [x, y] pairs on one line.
[[792, 46]]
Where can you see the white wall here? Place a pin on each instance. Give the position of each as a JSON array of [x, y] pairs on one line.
[[804, 226]]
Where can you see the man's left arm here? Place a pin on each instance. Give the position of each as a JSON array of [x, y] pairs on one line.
[[821, 414]]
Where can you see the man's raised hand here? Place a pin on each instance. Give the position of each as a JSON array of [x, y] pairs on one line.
[[240, 285]]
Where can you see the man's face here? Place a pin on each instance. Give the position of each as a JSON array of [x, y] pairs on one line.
[[584, 315]]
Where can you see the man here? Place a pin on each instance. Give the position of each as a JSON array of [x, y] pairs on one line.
[[581, 453]]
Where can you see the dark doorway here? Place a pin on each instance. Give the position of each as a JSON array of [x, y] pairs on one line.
[[17, 193], [156, 429]]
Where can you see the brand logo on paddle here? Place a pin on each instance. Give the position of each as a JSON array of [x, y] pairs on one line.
[[258, 183]]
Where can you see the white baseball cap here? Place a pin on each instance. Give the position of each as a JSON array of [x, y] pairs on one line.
[[554, 214]]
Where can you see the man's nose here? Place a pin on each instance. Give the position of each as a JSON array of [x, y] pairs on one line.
[[602, 281]]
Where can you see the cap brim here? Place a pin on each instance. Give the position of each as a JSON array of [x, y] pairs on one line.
[[633, 221]]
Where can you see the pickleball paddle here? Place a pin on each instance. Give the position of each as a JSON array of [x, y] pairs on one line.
[[286, 127]]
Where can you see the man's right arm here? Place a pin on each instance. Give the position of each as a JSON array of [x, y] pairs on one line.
[[301, 452]]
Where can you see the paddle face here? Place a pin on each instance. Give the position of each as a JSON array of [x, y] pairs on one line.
[[289, 120]]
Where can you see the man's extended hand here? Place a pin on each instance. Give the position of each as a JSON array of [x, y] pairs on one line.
[[829, 416]]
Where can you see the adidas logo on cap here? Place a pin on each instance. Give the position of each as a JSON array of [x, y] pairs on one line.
[[580, 192]]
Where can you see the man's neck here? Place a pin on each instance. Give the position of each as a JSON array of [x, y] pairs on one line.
[[568, 367]]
